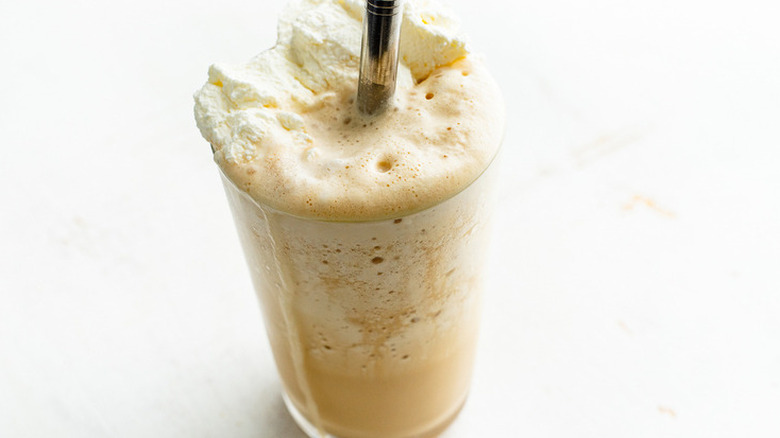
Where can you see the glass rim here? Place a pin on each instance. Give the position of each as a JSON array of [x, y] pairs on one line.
[[405, 214]]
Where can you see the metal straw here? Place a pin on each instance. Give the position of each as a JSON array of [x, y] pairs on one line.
[[379, 54]]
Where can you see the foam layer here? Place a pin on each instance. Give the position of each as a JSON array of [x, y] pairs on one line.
[[285, 129]]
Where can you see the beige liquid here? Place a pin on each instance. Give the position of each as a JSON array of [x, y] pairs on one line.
[[365, 236], [372, 324]]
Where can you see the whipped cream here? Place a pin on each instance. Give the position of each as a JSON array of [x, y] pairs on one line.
[[285, 129]]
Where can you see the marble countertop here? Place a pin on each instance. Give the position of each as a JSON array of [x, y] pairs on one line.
[[634, 286]]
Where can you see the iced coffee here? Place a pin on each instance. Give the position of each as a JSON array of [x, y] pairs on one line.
[[364, 236]]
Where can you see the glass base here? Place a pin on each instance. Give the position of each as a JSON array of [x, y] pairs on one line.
[[312, 432], [309, 429]]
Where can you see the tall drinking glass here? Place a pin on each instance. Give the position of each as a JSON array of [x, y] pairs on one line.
[[372, 324]]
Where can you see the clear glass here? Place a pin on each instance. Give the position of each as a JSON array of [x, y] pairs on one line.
[[373, 325]]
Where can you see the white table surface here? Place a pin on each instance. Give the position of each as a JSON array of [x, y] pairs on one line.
[[634, 284]]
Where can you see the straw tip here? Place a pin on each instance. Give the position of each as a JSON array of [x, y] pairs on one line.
[[373, 97]]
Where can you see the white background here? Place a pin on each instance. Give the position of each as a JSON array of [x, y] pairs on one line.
[[635, 278]]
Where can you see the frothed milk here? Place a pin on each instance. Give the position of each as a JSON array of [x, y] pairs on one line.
[[364, 236]]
